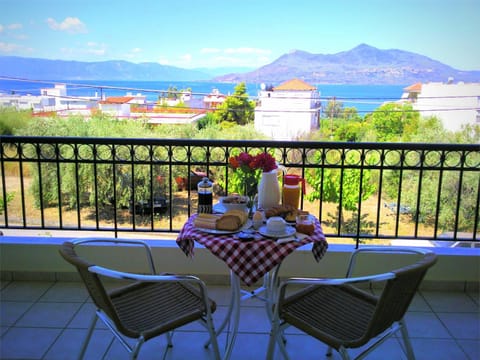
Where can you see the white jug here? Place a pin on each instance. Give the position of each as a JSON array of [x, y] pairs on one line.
[[269, 189]]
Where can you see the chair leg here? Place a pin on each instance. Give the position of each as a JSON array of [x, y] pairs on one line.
[[136, 348], [276, 336], [213, 337], [271, 346], [344, 353], [281, 344], [329, 351], [406, 340], [169, 339], [88, 336]]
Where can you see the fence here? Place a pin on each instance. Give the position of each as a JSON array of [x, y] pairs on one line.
[[360, 191]]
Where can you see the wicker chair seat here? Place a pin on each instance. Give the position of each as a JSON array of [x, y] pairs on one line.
[[341, 317], [159, 308]]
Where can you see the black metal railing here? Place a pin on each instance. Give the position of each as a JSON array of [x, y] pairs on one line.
[[360, 191]]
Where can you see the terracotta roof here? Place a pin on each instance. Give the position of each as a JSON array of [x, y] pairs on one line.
[[295, 85], [414, 88], [117, 100]]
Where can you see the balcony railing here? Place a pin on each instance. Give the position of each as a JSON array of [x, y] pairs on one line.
[[364, 191]]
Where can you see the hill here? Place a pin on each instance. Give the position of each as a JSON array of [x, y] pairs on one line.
[[363, 64], [44, 69]]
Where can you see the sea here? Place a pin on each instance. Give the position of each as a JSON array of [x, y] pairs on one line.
[[365, 98]]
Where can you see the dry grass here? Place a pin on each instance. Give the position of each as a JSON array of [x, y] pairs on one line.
[[88, 217]]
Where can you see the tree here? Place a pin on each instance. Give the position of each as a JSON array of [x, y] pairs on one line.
[[350, 131], [237, 108], [329, 184], [394, 122], [334, 109], [429, 209], [12, 120]]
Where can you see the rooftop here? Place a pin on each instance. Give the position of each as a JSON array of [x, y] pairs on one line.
[[117, 100], [294, 85]]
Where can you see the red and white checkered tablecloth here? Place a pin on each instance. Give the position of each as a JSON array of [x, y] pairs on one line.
[[249, 260]]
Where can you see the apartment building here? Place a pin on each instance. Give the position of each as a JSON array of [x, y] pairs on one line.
[[455, 104], [288, 111]]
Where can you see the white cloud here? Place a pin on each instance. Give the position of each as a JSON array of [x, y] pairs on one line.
[[8, 48], [14, 26], [71, 25], [246, 50], [96, 48], [90, 48], [163, 61], [133, 54], [186, 59], [210, 50], [98, 52]]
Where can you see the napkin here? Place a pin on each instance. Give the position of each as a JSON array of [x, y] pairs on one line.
[[295, 237]]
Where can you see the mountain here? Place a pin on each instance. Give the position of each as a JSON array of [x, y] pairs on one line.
[[363, 64], [44, 69]]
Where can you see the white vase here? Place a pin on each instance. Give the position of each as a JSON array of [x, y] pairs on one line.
[[268, 190]]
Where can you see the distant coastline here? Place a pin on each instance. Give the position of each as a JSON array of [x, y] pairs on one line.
[[365, 98]]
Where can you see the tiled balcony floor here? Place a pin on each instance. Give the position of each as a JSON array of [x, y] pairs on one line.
[[47, 320]]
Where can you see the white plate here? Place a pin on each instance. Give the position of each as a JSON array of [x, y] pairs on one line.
[[219, 208], [289, 230], [247, 225]]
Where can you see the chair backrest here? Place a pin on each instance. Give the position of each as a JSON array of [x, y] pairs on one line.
[[398, 294], [92, 282]]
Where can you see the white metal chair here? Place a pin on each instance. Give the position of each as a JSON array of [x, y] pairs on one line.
[[343, 314], [145, 307]]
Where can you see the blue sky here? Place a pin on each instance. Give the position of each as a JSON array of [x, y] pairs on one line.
[[248, 33]]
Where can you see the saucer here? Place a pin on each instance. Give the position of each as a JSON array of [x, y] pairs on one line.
[[289, 230]]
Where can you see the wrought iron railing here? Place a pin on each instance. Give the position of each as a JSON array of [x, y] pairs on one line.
[[359, 191]]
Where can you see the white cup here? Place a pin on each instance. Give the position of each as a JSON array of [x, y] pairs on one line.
[[276, 225]]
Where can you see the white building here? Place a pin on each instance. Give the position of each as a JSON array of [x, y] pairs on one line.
[[51, 99], [25, 102], [139, 98], [456, 105], [118, 106], [288, 111], [214, 99]]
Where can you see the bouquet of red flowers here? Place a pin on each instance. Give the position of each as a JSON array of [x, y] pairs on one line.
[[247, 168], [247, 162]]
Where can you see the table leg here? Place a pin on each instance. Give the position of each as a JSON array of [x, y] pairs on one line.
[[235, 311], [271, 291]]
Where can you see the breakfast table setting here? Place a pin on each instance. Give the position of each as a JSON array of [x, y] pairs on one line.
[[251, 252], [252, 233]]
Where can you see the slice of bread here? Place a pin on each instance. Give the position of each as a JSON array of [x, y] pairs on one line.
[[206, 221], [241, 214], [229, 222]]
